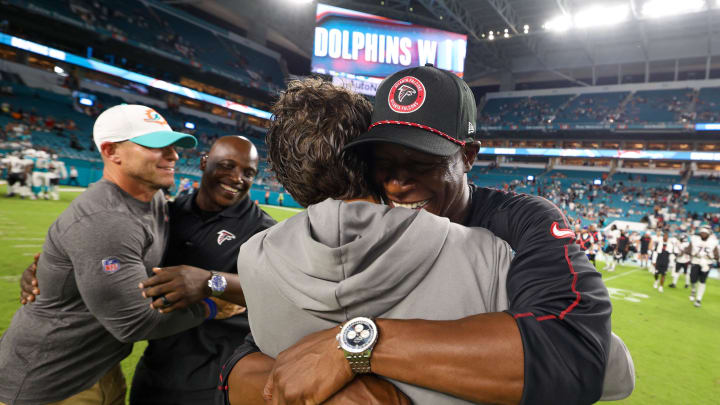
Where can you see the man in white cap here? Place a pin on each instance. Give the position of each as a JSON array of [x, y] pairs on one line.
[[703, 252], [66, 346]]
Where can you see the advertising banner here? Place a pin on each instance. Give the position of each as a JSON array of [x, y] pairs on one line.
[[604, 153]]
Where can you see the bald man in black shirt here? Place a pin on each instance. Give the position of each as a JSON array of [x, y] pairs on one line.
[[206, 230]]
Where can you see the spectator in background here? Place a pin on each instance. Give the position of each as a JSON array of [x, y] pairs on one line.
[[49, 123]]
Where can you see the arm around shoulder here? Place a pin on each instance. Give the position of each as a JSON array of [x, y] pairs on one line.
[[107, 256]]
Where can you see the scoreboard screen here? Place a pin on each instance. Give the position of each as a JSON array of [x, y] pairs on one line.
[[352, 43]]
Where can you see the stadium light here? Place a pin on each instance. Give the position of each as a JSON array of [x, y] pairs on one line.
[[491, 36], [86, 101], [596, 16], [60, 71], [665, 8], [558, 24], [189, 125]]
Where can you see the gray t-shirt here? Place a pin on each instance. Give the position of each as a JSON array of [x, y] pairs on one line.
[[90, 309]]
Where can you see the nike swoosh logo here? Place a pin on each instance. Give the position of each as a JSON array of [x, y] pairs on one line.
[[558, 233]]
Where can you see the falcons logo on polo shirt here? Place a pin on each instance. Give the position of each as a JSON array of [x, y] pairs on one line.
[[223, 236]]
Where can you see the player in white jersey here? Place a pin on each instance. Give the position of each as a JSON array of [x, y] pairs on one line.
[[56, 172], [634, 239], [23, 169], [30, 156], [40, 178], [662, 259], [703, 252], [611, 236], [6, 163], [682, 260]]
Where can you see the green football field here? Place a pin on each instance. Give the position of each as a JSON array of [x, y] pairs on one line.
[[675, 346]]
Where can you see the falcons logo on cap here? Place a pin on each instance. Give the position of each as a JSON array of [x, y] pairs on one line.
[[223, 236], [405, 91]]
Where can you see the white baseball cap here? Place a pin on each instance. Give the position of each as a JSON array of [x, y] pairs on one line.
[[139, 124]]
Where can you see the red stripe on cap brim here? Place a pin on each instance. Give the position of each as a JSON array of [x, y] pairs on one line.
[[421, 126]]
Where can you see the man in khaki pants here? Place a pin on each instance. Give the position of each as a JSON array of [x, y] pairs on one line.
[[67, 345], [110, 390]]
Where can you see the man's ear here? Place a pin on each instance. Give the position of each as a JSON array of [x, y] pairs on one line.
[[203, 162], [470, 151], [109, 151]]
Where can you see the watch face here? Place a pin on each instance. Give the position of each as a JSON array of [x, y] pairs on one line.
[[218, 283], [358, 335]]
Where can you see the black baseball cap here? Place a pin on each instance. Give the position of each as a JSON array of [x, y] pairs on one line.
[[423, 108]]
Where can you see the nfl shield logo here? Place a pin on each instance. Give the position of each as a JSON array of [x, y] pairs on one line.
[[111, 265]]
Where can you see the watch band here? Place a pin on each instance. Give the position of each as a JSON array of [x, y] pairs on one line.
[[359, 362]]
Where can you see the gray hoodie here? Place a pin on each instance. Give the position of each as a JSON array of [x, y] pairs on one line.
[[338, 260]]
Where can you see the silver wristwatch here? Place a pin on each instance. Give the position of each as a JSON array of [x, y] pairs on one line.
[[357, 339], [217, 284]]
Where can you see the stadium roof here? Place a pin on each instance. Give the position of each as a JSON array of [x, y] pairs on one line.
[[594, 45]]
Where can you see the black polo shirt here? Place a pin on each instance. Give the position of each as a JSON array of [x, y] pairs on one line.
[[184, 368]]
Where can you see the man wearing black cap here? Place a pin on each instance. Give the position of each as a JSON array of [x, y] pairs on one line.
[[550, 346]]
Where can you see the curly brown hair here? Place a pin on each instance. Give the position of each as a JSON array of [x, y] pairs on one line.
[[313, 121]]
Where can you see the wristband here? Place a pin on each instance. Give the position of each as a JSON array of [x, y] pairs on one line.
[[213, 308]]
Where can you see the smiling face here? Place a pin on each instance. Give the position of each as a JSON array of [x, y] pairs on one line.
[[151, 168], [229, 170], [418, 180]]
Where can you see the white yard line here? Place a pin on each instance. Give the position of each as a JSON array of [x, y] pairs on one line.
[[620, 275], [72, 189], [26, 239], [283, 208]]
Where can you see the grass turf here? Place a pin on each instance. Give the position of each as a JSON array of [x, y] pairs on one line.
[[674, 345]]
